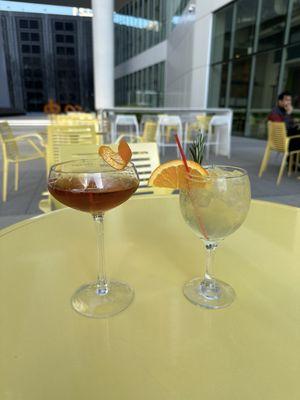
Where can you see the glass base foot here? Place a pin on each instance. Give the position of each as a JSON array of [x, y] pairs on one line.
[[209, 293], [90, 302]]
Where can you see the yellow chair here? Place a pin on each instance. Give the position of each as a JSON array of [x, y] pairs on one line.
[[60, 137], [75, 119], [13, 153], [203, 122], [144, 156], [279, 141], [149, 134]]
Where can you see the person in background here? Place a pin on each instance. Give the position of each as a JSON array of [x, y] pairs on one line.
[[283, 113]]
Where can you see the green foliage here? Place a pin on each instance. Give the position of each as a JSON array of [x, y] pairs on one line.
[[197, 149]]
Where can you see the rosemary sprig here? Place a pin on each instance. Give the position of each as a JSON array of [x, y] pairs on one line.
[[197, 149]]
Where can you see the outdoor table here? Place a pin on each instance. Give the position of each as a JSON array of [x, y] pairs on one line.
[[162, 347]]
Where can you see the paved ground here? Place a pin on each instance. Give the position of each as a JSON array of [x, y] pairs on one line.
[[246, 153]]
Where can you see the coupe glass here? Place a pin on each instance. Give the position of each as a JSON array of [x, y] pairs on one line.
[[214, 207], [93, 186]]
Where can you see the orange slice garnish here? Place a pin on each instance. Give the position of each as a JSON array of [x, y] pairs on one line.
[[117, 160], [173, 175]]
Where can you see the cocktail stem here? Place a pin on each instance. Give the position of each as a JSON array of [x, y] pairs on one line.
[[102, 284], [210, 255]]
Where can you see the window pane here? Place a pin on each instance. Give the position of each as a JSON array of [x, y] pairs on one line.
[[59, 26], [218, 79], [295, 25], [292, 74], [245, 27], [258, 125], [69, 39], [25, 48], [266, 79], [239, 123], [240, 83], [35, 37], [69, 26], [59, 38], [23, 23], [34, 24], [273, 20], [222, 34], [24, 36], [36, 49]]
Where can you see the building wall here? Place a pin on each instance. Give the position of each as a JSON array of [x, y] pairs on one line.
[[45, 57], [186, 53], [154, 55], [188, 56], [141, 32]]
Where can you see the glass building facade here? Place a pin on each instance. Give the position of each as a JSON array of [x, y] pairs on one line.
[[46, 57], [139, 25], [144, 88], [255, 55]]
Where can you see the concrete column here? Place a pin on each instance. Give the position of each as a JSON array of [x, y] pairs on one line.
[[103, 48]]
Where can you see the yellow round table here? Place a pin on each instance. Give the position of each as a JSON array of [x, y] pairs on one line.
[[162, 347]]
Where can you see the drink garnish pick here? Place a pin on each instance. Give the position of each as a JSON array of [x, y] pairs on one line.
[[117, 160]]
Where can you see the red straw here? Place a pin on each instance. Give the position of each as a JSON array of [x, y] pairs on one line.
[[182, 153]]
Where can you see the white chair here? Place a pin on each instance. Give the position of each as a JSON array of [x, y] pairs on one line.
[[165, 124], [219, 135], [130, 123]]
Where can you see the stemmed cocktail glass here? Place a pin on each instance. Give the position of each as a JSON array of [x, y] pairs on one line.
[[91, 185], [214, 206]]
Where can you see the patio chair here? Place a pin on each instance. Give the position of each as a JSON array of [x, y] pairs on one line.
[[217, 137], [125, 122], [144, 156], [149, 133], [165, 124], [75, 119], [147, 118], [278, 141], [17, 149], [60, 136]]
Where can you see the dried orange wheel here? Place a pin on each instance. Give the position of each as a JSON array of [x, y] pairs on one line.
[[174, 175], [124, 151], [116, 160]]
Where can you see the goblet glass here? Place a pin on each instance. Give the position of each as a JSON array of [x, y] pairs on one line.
[[93, 186], [214, 207]]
